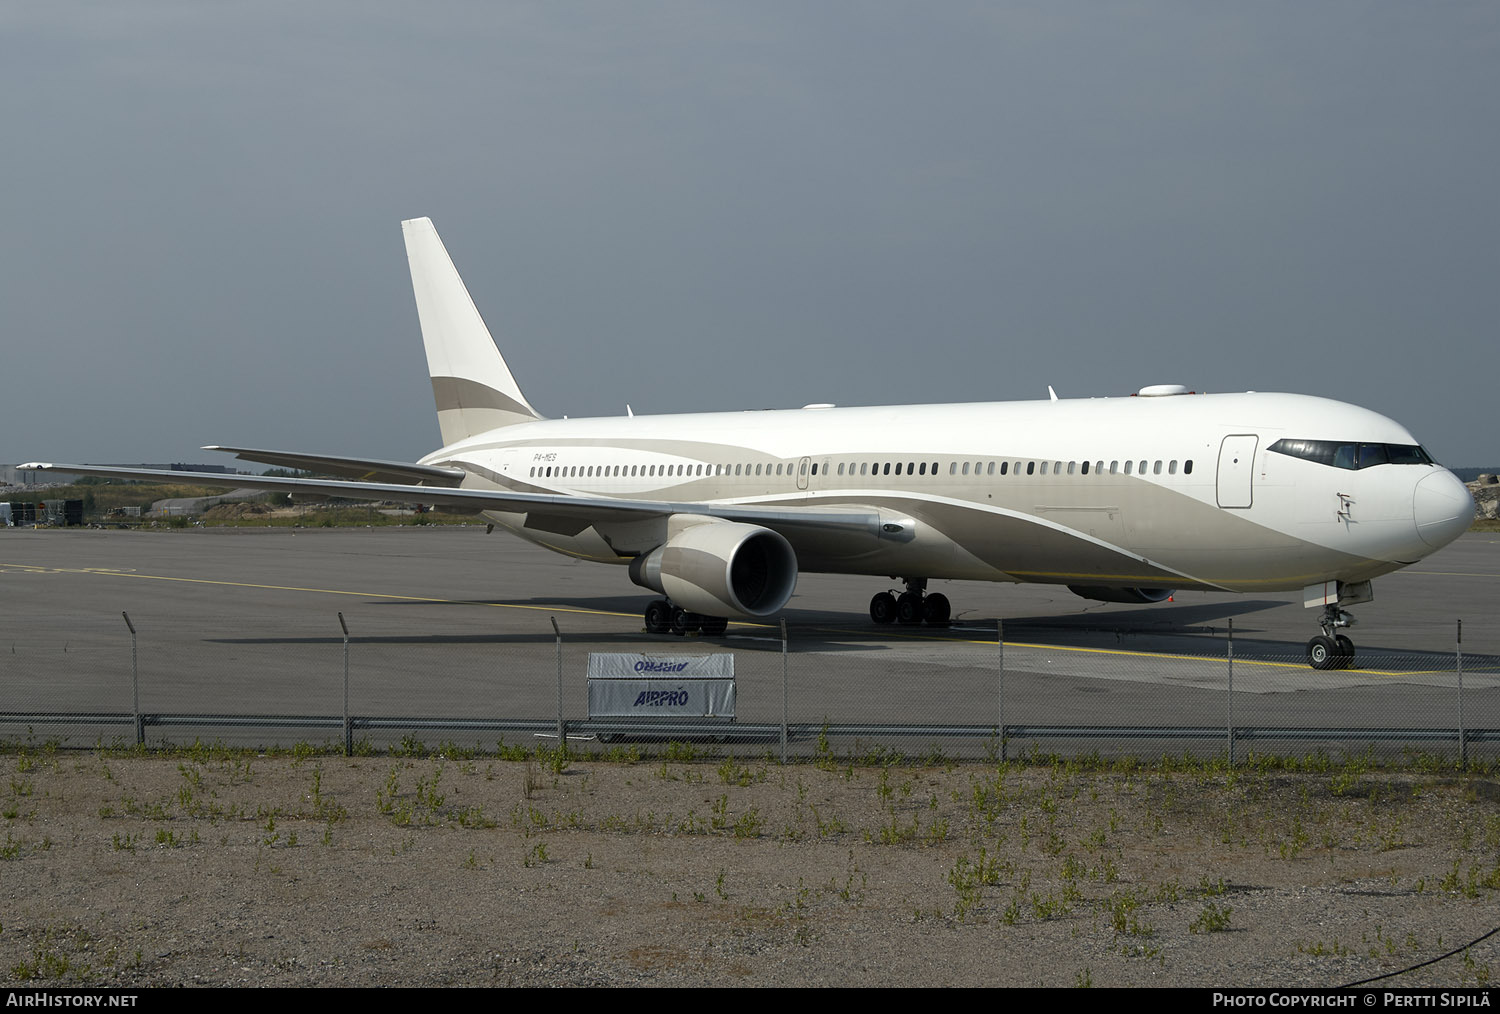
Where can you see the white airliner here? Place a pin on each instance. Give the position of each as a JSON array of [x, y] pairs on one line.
[[1120, 499]]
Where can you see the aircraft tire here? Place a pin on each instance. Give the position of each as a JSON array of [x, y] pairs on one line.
[[684, 622], [658, 617], [909, 608], [1345, 649], [883, 608], [936, 610], [1323, 653], [714, 626]]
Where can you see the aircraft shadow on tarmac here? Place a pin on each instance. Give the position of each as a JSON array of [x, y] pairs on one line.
[[1186, 629]]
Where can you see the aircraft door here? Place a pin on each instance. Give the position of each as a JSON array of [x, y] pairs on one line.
[[1236, 466], [802, 470]]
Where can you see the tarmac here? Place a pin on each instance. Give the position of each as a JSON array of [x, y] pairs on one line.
[[451, 621]]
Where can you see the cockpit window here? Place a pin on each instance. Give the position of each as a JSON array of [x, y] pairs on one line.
[[1351, 455]]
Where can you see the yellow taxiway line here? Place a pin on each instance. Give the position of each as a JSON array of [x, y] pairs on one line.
[[1123, 653]]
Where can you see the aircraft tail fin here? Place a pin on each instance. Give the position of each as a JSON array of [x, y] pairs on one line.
[[473, 388]]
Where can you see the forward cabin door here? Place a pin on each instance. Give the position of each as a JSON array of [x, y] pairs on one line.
[[1236, 465]]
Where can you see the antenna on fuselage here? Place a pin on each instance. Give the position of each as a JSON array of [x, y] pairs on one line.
[[1051, 393], [629, 411]]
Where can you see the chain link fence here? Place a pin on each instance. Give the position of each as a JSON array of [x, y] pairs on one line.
[[375, 682]]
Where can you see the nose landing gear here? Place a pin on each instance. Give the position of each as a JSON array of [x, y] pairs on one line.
[[1330, 650], [913, 605]]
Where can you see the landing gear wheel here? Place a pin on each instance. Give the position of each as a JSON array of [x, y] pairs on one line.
[[714, 626], [936, 610], [883, 608], [1323, 653], [909, 608], [684, 622], [1345, 650], [658, 617]]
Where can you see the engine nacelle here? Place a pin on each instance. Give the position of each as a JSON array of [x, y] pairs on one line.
[[721, 568], [1135, 595]]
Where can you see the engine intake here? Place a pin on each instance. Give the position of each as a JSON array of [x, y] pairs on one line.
[[721, 568]]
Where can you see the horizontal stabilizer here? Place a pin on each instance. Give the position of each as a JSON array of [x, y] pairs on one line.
[[363, 469]]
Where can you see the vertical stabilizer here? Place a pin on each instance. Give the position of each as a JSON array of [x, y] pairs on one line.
[[471, 384]]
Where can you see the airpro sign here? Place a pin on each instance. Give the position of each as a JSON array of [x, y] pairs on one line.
[[628, 685]]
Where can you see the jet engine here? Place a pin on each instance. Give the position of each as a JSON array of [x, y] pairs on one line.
[[721, 568], [1136, 595]]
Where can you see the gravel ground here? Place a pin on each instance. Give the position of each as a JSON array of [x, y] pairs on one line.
[[222, 868]]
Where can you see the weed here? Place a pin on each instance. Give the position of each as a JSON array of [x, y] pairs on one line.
[[680, 753], [1213, 919]]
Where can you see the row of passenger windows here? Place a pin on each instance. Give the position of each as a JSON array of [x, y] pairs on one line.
[[851, 468]]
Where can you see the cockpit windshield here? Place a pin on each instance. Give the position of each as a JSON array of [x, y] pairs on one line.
[[1351, 455]]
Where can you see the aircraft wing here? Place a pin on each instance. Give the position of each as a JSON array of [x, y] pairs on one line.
[[363, 469], [585, 509]]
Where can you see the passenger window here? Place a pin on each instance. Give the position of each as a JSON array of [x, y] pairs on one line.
[[1044, 468], [922, 469], [864, 468], [1114, 467], [966, 468], [1072, 466], [1187, 467], [1156, 468], [952, 468], [1172, 467], [1098, 468], [1004, 467], [934, 468], [1127, 467], [1031, 468], [815, 468], [1085, 470]]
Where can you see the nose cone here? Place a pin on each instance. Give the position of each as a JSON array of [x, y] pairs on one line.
[[1442, 507]]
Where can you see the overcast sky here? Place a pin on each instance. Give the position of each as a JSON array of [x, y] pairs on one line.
[[691, 206]]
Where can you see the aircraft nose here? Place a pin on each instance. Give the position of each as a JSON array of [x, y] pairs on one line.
[[1443, 508]]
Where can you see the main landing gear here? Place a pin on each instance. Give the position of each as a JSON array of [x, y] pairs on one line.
[[913, 605], [662, 617], [1330, 650]]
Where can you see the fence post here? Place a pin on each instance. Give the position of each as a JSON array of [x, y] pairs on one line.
[[348, 726], [1458, 653], [1000, 686], [783, 690], [562, 730], [135, 685], [1229, 696]]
